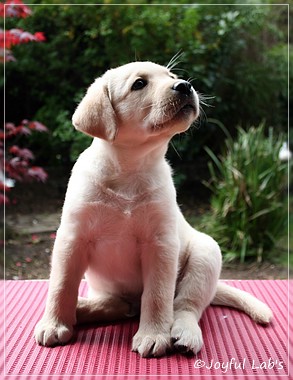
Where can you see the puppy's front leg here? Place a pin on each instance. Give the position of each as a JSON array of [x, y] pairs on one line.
[[68, 266], [159, 265]]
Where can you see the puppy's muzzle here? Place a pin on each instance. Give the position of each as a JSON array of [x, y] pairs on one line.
[[179, 109], [184, 100]]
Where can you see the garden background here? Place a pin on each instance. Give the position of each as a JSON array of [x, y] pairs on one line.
[[231, 182]]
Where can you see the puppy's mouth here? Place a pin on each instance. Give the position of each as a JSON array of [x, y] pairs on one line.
[[186, 110], [175, 113]]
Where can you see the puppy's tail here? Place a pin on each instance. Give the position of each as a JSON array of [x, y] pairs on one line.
[[228, 296]]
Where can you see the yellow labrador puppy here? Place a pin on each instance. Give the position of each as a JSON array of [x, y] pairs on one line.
[[121, 225]]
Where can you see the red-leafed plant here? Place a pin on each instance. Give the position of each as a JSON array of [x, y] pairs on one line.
[[8, 38], [15, 37], [16, 164]]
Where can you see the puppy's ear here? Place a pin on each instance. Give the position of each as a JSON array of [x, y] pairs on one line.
[[95, 115]]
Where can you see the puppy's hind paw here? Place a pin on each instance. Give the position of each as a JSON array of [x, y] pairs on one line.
[[186, 338], [51, 333]]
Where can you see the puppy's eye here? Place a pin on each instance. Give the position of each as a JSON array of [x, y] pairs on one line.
[[139, 84]]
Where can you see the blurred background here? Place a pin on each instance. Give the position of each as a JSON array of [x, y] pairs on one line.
[[231, 169]]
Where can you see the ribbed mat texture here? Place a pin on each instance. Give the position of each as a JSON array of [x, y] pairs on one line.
[[234, 346]]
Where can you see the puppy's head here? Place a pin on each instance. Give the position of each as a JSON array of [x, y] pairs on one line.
[[137, 101]]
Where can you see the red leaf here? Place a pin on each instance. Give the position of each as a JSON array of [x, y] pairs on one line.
[[5, 54], [18, 36], [26, 37], [36, 125], [14, 8], [40, 36], [10, 37], [15, 32], [25, 127], [22, 130], [38, 173], [2, 10], [10, 126], [3, 199], [17, 164], [26, 154], [14, 150]]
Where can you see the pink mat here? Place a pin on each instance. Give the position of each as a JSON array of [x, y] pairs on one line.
[[234, 346]]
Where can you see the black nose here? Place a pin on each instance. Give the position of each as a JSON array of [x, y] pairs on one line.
[[183, 87]]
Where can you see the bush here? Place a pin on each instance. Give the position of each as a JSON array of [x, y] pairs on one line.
[[17, 162], [232, 52], [248, 213]]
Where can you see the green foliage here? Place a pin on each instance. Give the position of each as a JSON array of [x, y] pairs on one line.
[[67, 135], [237, 54], [248, 202]]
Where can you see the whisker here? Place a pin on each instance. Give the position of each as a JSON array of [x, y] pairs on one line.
[[203, 99], [176, 69], [174, 60], [201, 119], [196, 124], [175, 149], [190, 80]]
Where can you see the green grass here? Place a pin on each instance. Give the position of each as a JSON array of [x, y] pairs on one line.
[[283, 251], [248, 205], [285, 244]]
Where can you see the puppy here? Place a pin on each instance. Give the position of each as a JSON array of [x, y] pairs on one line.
[[121, 225]]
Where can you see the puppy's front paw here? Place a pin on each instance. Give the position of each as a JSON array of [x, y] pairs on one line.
[[186, 337], [49, 332], [149, 344]]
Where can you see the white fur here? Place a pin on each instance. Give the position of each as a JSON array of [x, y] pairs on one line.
[[122, 228]]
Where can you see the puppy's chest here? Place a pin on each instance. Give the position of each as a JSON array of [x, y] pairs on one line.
[[118, 211], [116, 226], [113, 215], [119, 228], [123, 203], [126, 196]]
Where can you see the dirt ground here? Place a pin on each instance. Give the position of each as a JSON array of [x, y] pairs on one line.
[[31, 222]]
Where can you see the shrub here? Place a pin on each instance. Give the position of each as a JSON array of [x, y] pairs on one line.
[[231, 52], [248, 213], [16, 165]]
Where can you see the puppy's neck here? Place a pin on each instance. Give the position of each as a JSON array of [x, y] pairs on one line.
[[127, 159]]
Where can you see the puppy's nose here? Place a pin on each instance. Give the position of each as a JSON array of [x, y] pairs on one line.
[[183, 87]]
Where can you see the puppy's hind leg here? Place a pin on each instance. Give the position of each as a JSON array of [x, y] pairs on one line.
[[195, 290], [104, 308]]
